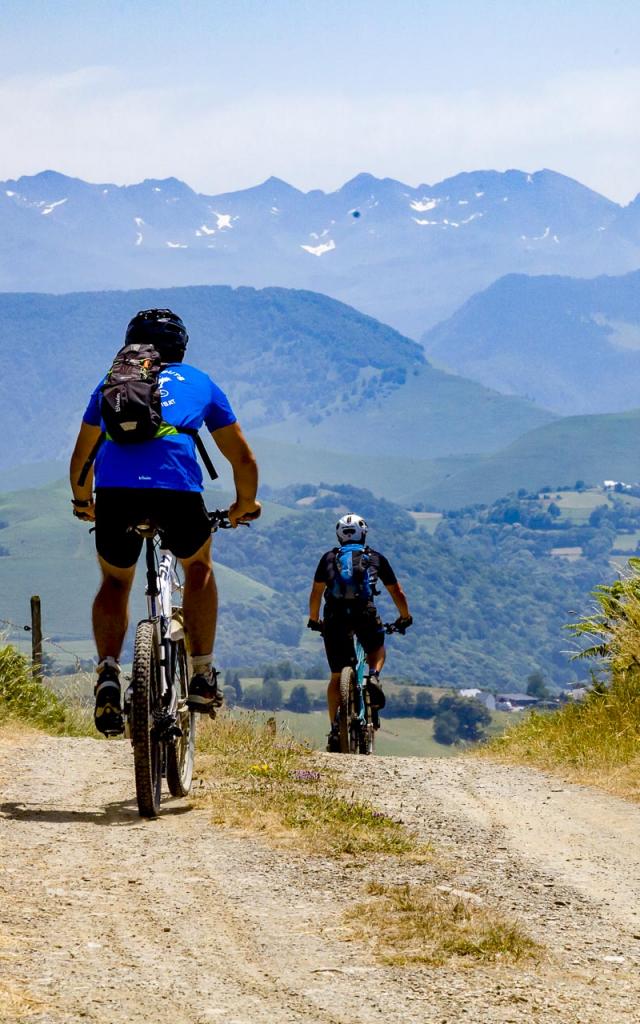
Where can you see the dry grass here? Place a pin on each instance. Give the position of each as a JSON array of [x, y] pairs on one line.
[[262, 782], [594, 742], [16, 1004], [417, 924]]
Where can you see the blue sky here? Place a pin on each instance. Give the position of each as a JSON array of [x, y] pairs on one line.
[[222, 94]]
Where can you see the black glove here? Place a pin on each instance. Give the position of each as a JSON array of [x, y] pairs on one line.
[[315, 625], [402, 623]]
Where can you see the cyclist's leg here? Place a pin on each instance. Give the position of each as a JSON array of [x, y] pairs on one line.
[[333, 695], [186, 531], [111, 609], [338, 647], [118, 550], [200, 601], [370, 633], [377, 658]]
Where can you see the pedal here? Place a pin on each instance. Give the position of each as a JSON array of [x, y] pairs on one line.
[[166, 728]]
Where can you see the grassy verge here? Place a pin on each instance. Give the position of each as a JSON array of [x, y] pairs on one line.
[[260, 780], [264, 781], [416, 924], [23, 699], [596, 741]]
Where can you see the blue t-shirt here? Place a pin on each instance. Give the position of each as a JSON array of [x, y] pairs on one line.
[[189, 399]]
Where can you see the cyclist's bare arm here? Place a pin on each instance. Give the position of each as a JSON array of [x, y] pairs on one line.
[[315, 600], [399, 598], [233, 445], [83, 447]]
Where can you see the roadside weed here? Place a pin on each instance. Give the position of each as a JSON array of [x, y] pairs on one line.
[[417, 924]]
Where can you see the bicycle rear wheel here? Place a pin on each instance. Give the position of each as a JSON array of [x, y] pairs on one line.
[[147, 749], [180, 754], [367, 733], [347, 685]]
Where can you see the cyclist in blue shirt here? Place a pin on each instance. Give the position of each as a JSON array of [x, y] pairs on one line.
[[160, 480]]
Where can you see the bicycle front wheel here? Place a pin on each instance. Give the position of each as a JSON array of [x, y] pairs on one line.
[[347, 685], [147, 748], [180, 754]]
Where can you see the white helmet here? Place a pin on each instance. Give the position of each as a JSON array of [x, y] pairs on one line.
[[351, 529]]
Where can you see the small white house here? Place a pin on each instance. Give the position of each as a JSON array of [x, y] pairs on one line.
[[483, 696]]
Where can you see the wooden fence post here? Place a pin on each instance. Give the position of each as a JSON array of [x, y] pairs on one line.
[[36, 637]]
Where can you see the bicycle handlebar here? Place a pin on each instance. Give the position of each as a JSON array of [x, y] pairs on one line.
[[220, 519], [393, 627], [389, 627]]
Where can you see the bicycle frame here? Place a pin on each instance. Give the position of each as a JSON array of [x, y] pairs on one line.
[[162, 580], [360, 665]]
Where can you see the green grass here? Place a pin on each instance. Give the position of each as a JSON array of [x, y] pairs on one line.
[[25, 699]]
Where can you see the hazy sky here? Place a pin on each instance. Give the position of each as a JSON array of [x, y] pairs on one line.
[[225, 93]]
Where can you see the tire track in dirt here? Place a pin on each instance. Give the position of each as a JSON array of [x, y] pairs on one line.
[[104, 917]]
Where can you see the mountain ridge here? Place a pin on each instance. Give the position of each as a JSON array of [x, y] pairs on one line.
[[406, 255]]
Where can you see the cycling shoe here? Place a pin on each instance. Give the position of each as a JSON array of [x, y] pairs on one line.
[[108, 710], [204, 695]]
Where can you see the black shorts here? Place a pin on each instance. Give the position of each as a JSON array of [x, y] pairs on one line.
[[180, 516], [339, 628]]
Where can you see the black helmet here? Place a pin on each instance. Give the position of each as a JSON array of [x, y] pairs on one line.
[[161, 328]]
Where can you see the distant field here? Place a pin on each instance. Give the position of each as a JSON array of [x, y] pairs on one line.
[[578, 505], [626, 541], [397, 737], [426, 520]]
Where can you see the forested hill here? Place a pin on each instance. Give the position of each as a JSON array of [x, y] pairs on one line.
[[489, 598], [292, 358]]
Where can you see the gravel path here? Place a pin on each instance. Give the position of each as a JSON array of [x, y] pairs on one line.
[[106, 918]]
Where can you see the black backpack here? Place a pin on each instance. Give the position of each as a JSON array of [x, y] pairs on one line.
[[131, 406]]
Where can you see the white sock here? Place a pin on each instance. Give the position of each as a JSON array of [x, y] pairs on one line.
[[202, 663], [108, 662]]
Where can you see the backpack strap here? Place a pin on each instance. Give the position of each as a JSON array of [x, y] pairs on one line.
[[91, 458], [202, 451]]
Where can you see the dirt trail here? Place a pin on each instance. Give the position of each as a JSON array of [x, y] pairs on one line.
[[106, 918]]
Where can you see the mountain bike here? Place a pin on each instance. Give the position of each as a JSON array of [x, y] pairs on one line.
[[158, 722], [357, 720]]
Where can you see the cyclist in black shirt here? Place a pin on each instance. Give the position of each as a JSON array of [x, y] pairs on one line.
[[344, 616]]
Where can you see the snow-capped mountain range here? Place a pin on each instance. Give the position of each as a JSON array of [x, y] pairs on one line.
[[408, 256]]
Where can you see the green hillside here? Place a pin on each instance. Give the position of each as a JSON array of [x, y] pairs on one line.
[[489, 601], [590, 448], [434, 414], [569, 344], [305, 366], [46, 551]]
